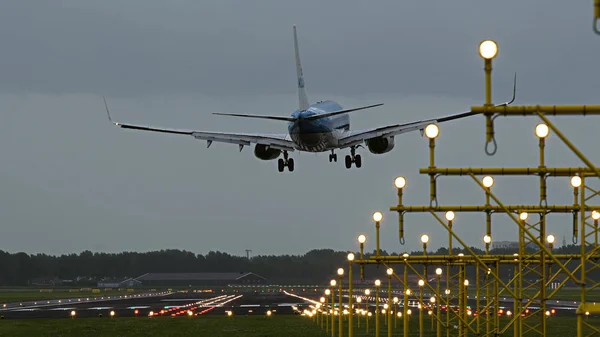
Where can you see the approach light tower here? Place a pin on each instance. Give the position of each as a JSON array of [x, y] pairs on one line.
[[248, 251]]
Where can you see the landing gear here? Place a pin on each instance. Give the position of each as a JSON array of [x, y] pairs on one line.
[[353, 158], [332, 157], [282, 163]]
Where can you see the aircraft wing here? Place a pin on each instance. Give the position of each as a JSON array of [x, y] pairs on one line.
[[275, 141], [356, 137]]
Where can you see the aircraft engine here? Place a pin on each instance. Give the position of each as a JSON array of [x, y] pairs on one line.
[[264, 153], [379, 145]]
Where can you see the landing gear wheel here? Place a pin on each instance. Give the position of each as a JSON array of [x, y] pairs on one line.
[[284, 162], [332, 157], [353, 158], [348, 161]]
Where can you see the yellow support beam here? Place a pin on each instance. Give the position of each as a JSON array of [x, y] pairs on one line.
[[505, 171], [442, 259], [590, 308], [569, 144], [494, 208], [530, 110]]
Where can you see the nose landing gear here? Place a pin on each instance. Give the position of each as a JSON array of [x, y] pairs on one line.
[[285, 162], [332, 157]]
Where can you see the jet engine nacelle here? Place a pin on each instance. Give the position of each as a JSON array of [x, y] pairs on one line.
[[379, 145], [263, 152]]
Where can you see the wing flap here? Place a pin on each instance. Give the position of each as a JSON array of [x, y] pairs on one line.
[[358, 136], [275, 141]]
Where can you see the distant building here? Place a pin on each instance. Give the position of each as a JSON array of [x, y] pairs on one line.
[[201, 279], [54, 281], [505, 245], [127, 283]]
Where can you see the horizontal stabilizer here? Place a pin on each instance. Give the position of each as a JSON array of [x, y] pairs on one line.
[[333, 113], [278, 118]]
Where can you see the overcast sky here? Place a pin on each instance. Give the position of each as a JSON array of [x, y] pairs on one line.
[[71, 181]]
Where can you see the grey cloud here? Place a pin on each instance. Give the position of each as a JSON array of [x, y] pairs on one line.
[[237, 47]]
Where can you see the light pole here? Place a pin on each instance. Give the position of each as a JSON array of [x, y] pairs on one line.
[[323, 318], [488, 49], [406, 294], [358, 300], [542, 131], [438, 272], [377, 217], [395, 310], [421, 284], [361, 240], [327, 294], [450, 217], [550, 239], [432, 131], [488, 182], [332, 283], [596, 217], [464, 307], [487, 239], [384, 311], [430, 312], [400, 183], [389, 272], [424, 240], [351, 309], [340, 272], [367, 294], [377, 285]]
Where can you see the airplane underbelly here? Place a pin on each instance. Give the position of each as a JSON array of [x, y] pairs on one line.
[[315, 142]]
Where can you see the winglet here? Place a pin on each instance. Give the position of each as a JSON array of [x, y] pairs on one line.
[[514, 93], [108, 112]]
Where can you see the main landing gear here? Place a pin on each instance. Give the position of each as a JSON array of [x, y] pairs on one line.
[[285, 162], [353, 158], [332, 157]]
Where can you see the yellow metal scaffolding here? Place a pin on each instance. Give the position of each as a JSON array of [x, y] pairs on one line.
[[535, 267]]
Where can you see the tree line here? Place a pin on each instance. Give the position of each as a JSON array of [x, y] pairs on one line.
[[315, 267]]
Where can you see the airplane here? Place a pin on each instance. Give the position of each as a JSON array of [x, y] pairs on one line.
[[319, 127]]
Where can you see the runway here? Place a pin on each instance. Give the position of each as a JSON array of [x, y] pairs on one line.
[[183, 303], [153, 304]]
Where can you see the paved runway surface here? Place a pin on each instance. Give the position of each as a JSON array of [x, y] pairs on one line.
[[182, 304], [163, 304]]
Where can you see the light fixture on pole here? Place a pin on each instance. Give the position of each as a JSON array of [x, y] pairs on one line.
[[389, 272], [340, 272], [377, 285], [350, 295], [377, 217]]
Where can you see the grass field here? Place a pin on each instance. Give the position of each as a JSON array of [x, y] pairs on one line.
[[218, 326]]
